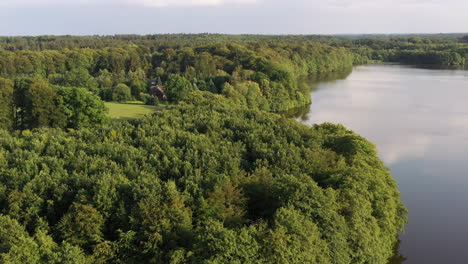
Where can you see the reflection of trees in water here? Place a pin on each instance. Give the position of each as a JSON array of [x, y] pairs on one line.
[[440, 67], [331, 76], [397, 257], [298, 112], [310, 84]]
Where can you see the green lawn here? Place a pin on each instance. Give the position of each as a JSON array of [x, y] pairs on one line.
[[129, 110]]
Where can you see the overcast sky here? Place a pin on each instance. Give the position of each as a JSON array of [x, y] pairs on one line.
[[104, 17]]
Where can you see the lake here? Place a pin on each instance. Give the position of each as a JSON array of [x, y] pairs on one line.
[[418, 119]]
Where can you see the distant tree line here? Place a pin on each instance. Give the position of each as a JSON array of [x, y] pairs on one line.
[[451, 50], [158, 41]]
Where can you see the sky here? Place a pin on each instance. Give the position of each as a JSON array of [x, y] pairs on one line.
[[108, 17]]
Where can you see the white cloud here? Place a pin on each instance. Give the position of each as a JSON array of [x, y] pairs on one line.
[[413, 147], [150, 3]]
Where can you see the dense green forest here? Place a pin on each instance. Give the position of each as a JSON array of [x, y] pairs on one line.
[[215, 175], [204, 182], [261, 74]]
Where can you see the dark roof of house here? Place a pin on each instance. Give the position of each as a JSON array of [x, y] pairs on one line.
[[157, 91], [156, 88]]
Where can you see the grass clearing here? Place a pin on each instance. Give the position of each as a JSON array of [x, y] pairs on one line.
[[129, 110]]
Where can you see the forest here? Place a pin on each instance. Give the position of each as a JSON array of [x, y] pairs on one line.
[[204, 182], [261, 75], [215, 175]]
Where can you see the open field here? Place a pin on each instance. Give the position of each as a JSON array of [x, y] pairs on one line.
[[129, 110]]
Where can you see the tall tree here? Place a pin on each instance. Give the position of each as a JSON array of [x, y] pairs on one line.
[[38, 105], [81, 107], [177, 87], [121, 93], [6, 103]]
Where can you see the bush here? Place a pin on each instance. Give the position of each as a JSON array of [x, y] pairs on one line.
[[121, 93], [149, 99]]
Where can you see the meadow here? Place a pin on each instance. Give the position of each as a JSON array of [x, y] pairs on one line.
[[129, 110]]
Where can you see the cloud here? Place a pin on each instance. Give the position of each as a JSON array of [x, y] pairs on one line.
[[38, 17], [412, 147], [148, 3]]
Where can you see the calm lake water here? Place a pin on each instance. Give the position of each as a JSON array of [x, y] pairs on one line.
[[418, 118]]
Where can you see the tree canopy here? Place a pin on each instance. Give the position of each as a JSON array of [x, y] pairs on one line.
[[204, 182]]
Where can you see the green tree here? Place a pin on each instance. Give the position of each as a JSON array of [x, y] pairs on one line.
[[82, 226], [177, 87], [77, 77], [6, 103], [232, 93], [137, 82], [218, 245], [121, 93], [16, 246], [37, 104], [104, 79], [81, 107], [228, 204], [295, 239]]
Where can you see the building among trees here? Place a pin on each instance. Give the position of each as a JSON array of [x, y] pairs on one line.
[[157, 91]]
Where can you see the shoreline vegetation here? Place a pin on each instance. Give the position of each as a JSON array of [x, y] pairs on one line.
[[215, 176]]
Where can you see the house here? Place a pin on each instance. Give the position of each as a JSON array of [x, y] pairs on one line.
[[158, 92]]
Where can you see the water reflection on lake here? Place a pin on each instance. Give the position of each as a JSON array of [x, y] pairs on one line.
[[418, 118]]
